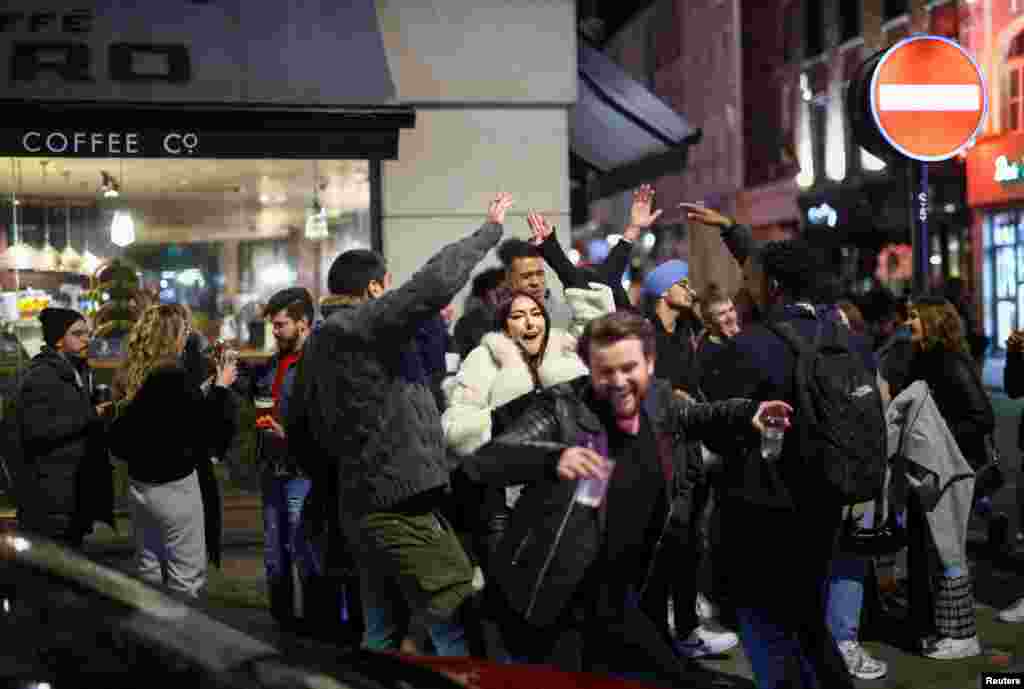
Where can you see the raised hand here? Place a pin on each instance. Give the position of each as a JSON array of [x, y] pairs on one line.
[[707, 216], [640, 214], [496, 211], [227, 375], [538, 227]]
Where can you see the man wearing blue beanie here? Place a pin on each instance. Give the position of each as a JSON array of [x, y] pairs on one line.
[[670, 298]]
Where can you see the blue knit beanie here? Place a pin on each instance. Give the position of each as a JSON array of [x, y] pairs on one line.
[[661, 279]]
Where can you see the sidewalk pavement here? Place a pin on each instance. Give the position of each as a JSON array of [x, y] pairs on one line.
[[242, 527]]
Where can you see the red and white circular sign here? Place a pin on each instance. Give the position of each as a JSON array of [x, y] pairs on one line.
[[928, 97]]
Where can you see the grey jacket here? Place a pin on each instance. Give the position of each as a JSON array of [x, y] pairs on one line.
[[936, 470], [351, 406]]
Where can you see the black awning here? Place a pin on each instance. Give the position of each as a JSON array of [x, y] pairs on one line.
[[199, 130], [621, 129]]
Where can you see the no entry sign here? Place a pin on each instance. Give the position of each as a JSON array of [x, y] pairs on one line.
[[927, 97]]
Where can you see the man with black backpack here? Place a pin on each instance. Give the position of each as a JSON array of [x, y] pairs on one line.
[[834, 455]]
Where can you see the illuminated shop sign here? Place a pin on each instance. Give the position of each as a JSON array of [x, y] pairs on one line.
[[108, 144], [1007, 172]]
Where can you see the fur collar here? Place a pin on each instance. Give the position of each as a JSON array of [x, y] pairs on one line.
[[561, 363]]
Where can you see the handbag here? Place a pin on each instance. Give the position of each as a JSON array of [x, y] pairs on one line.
[[885, 539], [990, 477], [890, 536]]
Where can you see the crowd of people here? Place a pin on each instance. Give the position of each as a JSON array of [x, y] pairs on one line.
[[549, 479]]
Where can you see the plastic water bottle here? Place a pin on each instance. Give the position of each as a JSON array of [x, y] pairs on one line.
[[771, 438]]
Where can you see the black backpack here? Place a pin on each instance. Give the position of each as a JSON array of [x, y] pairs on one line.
[[838, 425]]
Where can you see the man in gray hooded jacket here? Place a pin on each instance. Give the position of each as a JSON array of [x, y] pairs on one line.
[[380, 431]]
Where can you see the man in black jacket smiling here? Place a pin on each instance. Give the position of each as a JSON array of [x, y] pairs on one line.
[[566, 569]]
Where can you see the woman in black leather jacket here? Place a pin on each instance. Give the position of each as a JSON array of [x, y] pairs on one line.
[[941, 601], [941, 358]]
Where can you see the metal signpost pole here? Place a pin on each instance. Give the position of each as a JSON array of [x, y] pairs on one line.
[[917, 178]]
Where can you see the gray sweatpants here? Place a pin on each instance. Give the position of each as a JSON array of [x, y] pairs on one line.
[[170, 538]]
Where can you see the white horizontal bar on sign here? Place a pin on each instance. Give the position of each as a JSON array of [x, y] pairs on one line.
[[929, 97]]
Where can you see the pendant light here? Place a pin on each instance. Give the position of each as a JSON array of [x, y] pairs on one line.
[[47, 259], [122, 227], [316, 215], [20, 256], [70, 259], [90, 262]]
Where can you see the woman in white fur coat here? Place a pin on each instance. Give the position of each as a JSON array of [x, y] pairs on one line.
[[527, 354]]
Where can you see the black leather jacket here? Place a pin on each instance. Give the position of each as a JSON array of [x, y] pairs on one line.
[[958, 393], [537, 575], [1013, 383]]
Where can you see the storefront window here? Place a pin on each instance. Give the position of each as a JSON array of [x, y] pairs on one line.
[[1006, 320], [1006, 272], [1003, 278], [219, 235]]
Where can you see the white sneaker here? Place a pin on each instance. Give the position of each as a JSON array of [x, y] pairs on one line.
[[706, 642], [954, 649], [706, 610], [860, 664], [1014, 613]]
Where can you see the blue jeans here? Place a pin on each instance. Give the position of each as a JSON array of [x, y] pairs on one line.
[[774, 650], [284, 542], [846, 596], [387, 616]]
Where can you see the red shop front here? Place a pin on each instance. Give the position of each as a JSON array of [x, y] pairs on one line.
[[995, 195]]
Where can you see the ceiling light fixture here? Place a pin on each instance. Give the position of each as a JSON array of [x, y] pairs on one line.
[[316, 216], [109, 186], [19, 255], [122, 227], [48, 258], [69, 258]]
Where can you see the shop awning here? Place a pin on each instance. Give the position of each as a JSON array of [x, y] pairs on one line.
[[197, 130], [621, 129]]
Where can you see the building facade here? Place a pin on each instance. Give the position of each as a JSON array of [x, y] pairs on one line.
[[777, 150], [846, 198], [231, 131], [672, 46], [993, 30]]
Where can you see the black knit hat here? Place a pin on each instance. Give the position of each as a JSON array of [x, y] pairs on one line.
[[56, 322]]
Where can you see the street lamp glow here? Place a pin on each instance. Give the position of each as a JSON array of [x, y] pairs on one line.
[[835, 156], [870, 162], [805, 148]]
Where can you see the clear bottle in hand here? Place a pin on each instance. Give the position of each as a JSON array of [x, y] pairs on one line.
[[772, 436]]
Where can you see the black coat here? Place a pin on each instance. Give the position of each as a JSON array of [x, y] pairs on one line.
[[477, 321], [1013, 383], [676, 359], [958, 393], [63, 478], [758, 364], [549, 544], [171, 429]]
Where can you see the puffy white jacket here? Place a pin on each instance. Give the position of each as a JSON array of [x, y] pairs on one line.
[[495, 373]]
